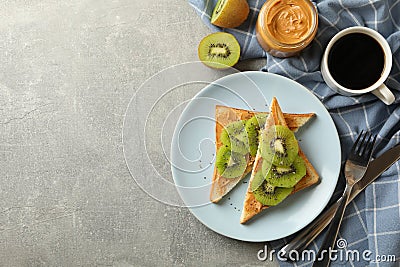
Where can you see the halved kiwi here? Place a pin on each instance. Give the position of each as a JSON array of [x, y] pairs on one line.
[[230, 13], [270, 195], [278, 145], [287, 176], [252, 128], [230, 164], [219, 50]]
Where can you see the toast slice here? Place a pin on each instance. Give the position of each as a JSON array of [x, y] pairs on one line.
[[226, 115], [251, 206]]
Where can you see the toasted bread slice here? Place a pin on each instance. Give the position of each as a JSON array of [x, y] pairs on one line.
[[224, 116], [251, 206]]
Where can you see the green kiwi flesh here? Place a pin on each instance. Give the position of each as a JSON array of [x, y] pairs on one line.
[[219, 50], [225, 139], [266, 167], [287, 176], [257, 180], [235, 137], [270, 195], [239, 147], [279, 145], [253, 127], [218, 7], [235, 128], [230, 164]]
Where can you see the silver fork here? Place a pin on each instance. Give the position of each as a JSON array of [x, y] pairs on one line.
[[355, 168]]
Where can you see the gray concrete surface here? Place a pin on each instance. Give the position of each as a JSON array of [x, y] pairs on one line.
[[68, 70]]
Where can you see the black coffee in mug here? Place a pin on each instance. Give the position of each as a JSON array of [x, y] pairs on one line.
[[356, 61]]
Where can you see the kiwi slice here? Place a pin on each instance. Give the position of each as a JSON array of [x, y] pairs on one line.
[[230, 13], [279, 145], [270, 195], [252, 128], [266, 167], [230, 164], [225, 139], [235, 137], [287, 176], [219, 50], [257, 180], [239, 147], [236, 128]]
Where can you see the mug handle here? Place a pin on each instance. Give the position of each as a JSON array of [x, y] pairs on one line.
[[384, 94]]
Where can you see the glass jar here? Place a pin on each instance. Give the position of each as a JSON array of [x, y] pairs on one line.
[[285, 27]]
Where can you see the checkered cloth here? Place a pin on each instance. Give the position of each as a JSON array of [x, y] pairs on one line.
[[372, 220]]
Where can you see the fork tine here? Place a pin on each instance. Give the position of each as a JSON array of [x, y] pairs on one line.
[[370, 145], [354, 147], [364, 143]]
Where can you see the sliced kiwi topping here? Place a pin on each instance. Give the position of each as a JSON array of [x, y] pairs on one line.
[[219, 50], [253, 127], [279, 145], [257, 180], [287, 176], [270, 195], [229, 163], [235, 128], [239, 147], [266, 167], [235, 137], [225, 138]]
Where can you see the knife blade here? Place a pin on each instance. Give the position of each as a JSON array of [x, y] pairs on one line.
[[375, 169], [307, 235]]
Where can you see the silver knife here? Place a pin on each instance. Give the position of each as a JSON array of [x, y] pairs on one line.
[[308, 234]]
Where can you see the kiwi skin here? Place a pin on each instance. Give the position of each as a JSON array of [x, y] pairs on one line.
[[230, 13], [219, 50]]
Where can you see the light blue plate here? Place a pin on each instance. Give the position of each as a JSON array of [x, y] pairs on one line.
[[193, 151]]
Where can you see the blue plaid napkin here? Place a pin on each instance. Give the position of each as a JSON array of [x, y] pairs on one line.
[[372, 221]]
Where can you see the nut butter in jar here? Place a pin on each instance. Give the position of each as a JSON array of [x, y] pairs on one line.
[[285, 27]]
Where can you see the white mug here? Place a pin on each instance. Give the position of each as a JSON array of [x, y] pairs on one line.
[[379, 89]]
